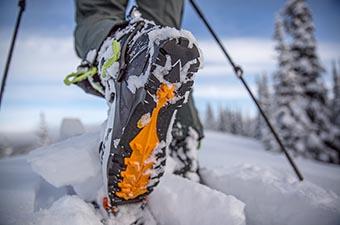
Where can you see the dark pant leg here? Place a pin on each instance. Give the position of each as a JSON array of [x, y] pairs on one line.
[[95, 19], [162, 12]]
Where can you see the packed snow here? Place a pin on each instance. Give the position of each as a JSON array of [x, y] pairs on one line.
[[244, 185], [180, 201]]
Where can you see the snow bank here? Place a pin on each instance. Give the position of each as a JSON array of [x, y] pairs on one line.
[[274, 197], [75, 163], [182, 202], [220, 150], [28, 191], [67, 210]]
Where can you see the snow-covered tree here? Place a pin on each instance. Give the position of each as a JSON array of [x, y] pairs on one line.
[[222, 121], [239, 123], [42, 133], [233, 121], [285, 86], [265, 100], [335, 103], [302, 113], [210, 122], [286, 92], [249, 126]]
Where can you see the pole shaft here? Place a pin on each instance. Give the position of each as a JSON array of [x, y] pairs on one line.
[[291, 161], [10, 53], [238, 71]]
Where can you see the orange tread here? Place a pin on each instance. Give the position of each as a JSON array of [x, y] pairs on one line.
[[135, 178]]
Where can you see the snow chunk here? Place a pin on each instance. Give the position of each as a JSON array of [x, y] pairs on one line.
[[136, 82], [67, 210], [91, 56], [71, 127], [273, 197], [179, 201], [72, 162], [144, 120]]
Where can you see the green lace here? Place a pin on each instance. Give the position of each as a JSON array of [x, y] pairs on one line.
[[80, 76], [114, 58]]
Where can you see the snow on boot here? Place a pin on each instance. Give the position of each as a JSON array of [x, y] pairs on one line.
[[145, 72], [131, 214], [184, 151]]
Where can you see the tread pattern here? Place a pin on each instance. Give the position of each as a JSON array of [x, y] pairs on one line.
[[179, 52]]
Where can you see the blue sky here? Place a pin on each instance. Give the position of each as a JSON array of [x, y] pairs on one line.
[[44, 55]]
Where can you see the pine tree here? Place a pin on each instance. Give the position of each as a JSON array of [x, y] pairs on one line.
[[286, 92], [210, 122], [335, 106], [249, 126], [233, 122], [284, 78], [302, 115], [265, 101], [222, 121], [229, 120], [43, 136], [238, 122], [259, 121]]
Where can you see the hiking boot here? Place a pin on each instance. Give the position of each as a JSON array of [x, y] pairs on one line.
[[145, 72], [183, 150]]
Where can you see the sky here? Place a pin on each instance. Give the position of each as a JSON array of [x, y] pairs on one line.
[[44, 54]]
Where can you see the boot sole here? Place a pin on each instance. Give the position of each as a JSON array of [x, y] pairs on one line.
[[136, 164]]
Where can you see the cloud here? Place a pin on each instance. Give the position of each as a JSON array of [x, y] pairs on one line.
[[46, 92], [221, 92], [41, 58], [25, 118], [243, 50], [255, 55]]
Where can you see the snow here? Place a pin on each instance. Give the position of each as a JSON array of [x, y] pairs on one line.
[[224, 151], [245, 185], [136, 82], [67, 210], [71, 127], [193, 203], [22, 192], [91, 56], [270, 196], [66, 163]]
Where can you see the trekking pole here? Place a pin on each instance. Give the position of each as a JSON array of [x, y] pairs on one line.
[[22, 5], [239, 73]]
